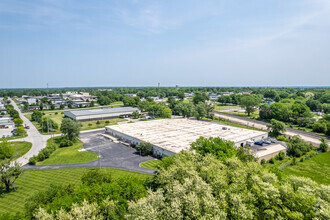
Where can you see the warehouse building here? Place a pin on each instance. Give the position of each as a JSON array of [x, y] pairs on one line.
[[99, 114], [170, 136]]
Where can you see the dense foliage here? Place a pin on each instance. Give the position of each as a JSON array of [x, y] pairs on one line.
[[197, 187]]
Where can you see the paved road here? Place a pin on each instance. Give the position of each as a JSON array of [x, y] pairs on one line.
[[307, 136], [38, 141], [114, 155]]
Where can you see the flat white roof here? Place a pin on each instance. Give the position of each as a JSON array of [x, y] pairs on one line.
[[177, 134], [102, 111], [263, 151]]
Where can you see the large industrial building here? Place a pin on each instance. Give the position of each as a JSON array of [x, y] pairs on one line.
[[170, 136], [99, 114]]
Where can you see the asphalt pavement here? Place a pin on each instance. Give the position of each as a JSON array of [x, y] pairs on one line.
[[114, 155]]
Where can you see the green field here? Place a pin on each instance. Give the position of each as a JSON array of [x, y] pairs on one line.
[[151, 164], [317, 168], [36, 180], [223, 121], [225, 107], [69, 155], [85, 125], [21, 148]]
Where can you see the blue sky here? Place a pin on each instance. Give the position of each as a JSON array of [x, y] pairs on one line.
[[140, 43]]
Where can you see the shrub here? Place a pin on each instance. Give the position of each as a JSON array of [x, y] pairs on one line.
[[33, 160], [281, 138], [56, 113], [271, 160], [98, 122], [145, 148], [65, 142], [263, 161], [6, 150], [294, 161], [302, 159], [107, 121]]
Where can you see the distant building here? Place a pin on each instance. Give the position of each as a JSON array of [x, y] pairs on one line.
[[99, 114], [131, 95]]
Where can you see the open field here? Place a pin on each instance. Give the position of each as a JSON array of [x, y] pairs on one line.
[[69, 155], [21, 148], [225, 107], [151, 164], [317, 168], [35, 180], [85, 125], [223, 121]]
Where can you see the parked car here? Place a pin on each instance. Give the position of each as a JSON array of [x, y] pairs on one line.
[[259, 143], [8, 136], [266, 141], [27, 127], [3, 136]]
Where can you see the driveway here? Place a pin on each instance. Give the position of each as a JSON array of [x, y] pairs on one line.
[[114, 155]]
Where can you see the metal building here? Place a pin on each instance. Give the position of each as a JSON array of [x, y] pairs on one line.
[[99, 114]]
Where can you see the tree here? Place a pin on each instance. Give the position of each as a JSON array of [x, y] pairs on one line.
[[41, 106], [220, 148], [6, 150], [70, 128], [92, 104], [297, 147], [62, 106], [145, 148], [135, 114], [199, 97], [249, 102], [52, 106], [21, 131], [324, 145], [200, 110], [166, 113], [48, 125], [276, 127], [36, 116], [202, 187], [18, 122], [9, 173]]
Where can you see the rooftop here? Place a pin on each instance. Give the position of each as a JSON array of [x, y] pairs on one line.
[[102, 111], [177, 134]]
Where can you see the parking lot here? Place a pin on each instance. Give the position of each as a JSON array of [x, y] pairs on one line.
[[6, 131], [114, 155]]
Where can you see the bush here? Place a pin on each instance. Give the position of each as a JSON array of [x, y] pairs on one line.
[[6, 150], [281, 138], [263, 161], [271, 161], [107, 122], [98, 122], [280, 156], [145, 148], [302, 159], [65, 142], [90, 125], [33, 160], [56, 113]]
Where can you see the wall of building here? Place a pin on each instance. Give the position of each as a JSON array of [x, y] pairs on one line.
[[96, 116]]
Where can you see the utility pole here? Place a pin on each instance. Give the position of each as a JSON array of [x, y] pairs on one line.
[[158, 90]]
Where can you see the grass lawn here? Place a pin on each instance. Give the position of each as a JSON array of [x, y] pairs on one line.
[[317, 168], [224, 121], [86, 125], [225, 107], [68, 155], [151, 164], [21, 148], [36, 180], [254, 115]]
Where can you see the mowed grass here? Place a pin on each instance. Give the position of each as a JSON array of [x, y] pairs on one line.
[[68, 155], [21, 148], [85, 125], [317, 168], [224, 121], [39, 180], [151, 164], [88, 125]]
